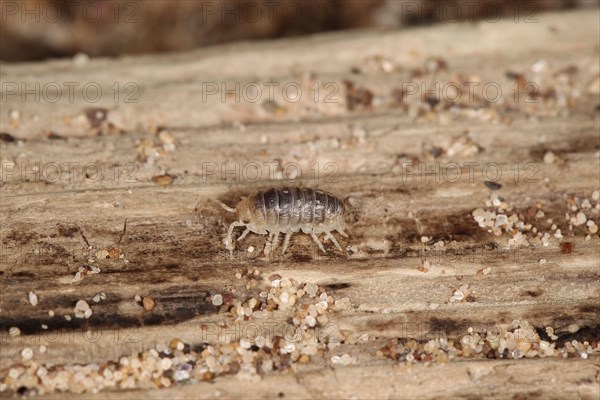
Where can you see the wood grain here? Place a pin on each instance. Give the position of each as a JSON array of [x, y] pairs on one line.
[[173, 239]]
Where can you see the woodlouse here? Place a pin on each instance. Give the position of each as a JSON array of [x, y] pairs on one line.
[[289, 210]]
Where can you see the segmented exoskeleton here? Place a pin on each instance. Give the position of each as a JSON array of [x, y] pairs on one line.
[[289, 210]]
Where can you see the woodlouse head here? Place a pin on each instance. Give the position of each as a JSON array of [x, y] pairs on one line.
[[243, 210]]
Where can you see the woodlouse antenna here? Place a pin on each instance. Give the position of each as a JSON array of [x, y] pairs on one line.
[[225, 206]]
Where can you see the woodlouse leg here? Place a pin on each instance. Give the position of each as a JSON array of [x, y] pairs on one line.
[[269, 244], [341, 232], [329, 236], [316, 239], [286, 242], [275, 241], [243, 235], [233, 225]]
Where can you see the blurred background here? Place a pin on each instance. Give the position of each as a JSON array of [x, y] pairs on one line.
[[41, 29]]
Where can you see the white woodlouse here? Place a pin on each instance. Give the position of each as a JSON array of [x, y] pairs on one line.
[[288, 210]]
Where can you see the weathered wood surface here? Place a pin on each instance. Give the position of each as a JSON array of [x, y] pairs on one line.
[[173, 240]]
